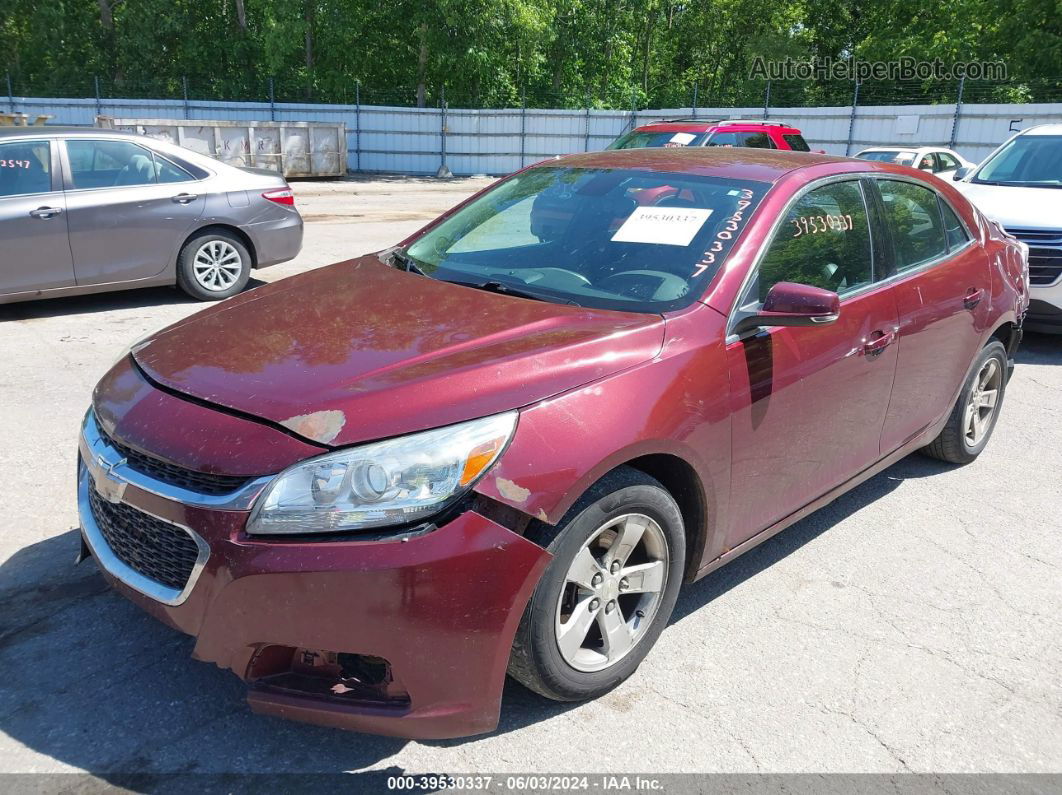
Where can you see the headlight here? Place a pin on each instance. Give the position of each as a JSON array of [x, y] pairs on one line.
[[384, 483]]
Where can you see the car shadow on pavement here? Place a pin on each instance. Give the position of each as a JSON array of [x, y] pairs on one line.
[[95, 683], [101, 302], [694, 597], [1039, 349]]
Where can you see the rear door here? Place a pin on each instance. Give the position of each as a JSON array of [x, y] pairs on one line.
[[808, 403], [33, 236], [129, 209], [942, 288]]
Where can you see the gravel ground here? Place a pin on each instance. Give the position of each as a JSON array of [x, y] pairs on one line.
[[912, 625]]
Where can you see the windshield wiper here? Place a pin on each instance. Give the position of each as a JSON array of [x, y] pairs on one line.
[[408, 263], [1006, 184], [503, 288]]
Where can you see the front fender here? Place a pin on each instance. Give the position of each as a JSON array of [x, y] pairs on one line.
[[676, 404]]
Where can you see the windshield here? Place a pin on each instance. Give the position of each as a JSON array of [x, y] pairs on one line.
[[642, 140], [904, 158], [618, 239], [1033, 161]]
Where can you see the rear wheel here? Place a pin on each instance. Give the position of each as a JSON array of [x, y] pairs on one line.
[[213, 265], [974, 416], [607, 594]]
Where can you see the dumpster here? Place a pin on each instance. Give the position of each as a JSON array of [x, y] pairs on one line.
[[294, 148]]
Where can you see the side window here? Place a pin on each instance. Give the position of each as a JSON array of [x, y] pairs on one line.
[[25, 167], [947, 162], [106, 164], [954, 231], [169, 172], [796, 142], [756, 140], [824, 242], [723, 139], [912, 214]]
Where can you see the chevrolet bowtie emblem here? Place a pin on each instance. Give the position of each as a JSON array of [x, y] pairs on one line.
[[110, 488]]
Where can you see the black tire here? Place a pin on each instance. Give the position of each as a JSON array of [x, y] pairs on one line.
[[186, 278], [536, 660], [952, 444]]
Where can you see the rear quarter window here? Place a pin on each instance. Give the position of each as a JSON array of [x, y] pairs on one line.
[[954, 231], [796, 142]]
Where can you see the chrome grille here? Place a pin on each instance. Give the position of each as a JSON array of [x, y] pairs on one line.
[[1045, 254], [202, 482], [151, 547]]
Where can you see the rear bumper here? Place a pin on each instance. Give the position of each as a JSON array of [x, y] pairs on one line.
[[277, 240], [441, 609]]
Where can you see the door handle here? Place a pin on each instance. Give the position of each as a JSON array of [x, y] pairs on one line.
[[185, 198], [972, 298], [877, 345], [46, 212]]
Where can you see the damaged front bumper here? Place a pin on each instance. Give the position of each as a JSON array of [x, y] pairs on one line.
[[405, 637]]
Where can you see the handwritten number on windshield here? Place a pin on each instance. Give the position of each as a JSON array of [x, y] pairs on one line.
[[730, 228]]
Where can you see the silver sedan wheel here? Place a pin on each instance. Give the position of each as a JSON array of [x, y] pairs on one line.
[[217, 265], [611, 592], [984, 397]]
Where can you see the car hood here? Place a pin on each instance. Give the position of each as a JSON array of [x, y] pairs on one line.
[[1035, 208], [358, 351]]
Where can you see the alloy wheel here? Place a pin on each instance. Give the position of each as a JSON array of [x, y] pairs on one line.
[[217, 265], [984, 397], [611, 592]]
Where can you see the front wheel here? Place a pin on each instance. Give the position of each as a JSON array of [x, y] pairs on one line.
[[604, 599], [975, 413], [213, 265]]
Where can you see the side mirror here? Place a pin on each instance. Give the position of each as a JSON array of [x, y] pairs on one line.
[[962, 173], [790, 304]]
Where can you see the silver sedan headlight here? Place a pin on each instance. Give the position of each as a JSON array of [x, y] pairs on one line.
[[393, 482]]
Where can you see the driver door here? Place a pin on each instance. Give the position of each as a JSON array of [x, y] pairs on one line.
[[124, 224], [808, 404]]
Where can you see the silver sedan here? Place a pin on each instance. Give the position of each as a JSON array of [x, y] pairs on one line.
[[84, 210]]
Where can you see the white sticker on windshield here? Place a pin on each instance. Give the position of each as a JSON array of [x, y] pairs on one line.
[[682, 139], [670, 226]]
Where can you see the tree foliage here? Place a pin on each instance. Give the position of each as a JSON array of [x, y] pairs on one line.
[[615, 53]]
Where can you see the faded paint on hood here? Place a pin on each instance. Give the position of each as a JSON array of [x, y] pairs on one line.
[[358, 351]]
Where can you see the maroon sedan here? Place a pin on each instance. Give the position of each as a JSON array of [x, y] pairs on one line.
[[373, 489]]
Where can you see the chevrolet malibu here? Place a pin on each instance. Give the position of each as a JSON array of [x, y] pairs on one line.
[[373, 489]]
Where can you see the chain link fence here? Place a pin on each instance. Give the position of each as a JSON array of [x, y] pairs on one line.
[[388, 132], [745, 93]]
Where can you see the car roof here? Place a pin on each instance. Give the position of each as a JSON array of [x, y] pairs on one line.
[[705, 125], [896, 148], [55, 129], [763, 165]]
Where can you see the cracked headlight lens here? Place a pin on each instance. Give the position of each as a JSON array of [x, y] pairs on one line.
[[393, 482]]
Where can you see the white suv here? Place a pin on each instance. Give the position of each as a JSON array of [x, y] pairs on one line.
[[1020, 186]]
